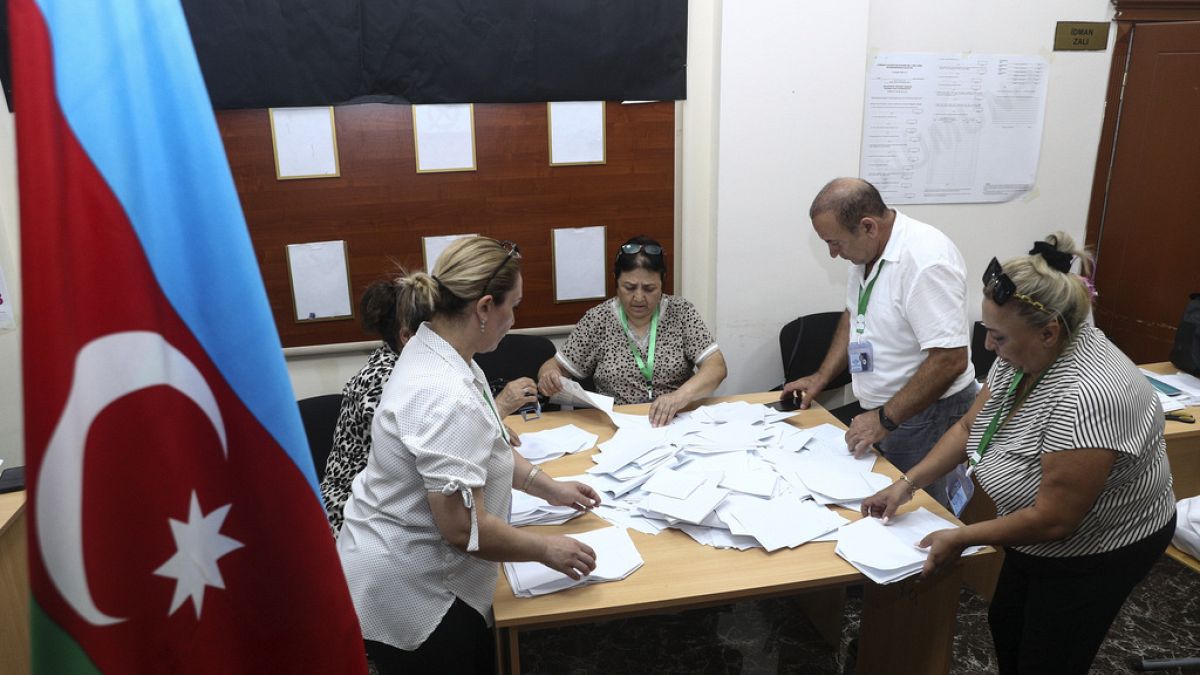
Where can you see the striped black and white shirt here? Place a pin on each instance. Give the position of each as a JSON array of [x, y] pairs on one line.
[[1091, 397]]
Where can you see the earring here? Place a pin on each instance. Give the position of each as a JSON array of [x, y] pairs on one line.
[[482, 326]]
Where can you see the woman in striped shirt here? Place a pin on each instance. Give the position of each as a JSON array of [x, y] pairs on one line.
[[1067, 439]]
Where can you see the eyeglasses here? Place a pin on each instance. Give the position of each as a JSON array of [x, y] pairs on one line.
[[648, 249], [1003, 288], [511, 250]]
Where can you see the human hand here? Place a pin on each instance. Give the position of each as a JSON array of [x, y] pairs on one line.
[[944, 548], [549, 382], [513, 439], [864, 432], [580, 496], [883, 504], [516, 394], [663, 408], [806, 388], [569, 556]]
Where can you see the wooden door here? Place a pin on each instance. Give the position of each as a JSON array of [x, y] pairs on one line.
[[1145, 219]]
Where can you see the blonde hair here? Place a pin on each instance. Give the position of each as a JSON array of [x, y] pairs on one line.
[[467, 270], [1049, 293]]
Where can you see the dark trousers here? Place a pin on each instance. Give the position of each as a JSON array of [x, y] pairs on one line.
[[462, 643], [907, 446], [1050, 615]]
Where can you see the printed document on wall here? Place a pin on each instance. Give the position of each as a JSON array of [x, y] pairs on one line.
[[953, 128]]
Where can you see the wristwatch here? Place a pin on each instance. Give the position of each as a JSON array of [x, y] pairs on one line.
[[886, 421]]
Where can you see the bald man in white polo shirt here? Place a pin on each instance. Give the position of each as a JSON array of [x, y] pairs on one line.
[[904, 334]]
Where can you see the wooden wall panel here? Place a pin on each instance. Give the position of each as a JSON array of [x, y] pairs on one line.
[[382, 207]]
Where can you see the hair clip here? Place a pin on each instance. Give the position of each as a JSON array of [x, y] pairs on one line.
[[1059, 260]]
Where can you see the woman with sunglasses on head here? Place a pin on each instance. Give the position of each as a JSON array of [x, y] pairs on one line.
[[642, 346], [426, 521], [1067, 439], [394, 316]]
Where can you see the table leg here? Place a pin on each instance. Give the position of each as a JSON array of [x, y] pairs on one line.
[[908, 626], [508, 652], [825, 609]]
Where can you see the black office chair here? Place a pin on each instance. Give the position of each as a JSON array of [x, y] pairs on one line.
[[803, 343], [516, 356], [319, 415], [980, 356]]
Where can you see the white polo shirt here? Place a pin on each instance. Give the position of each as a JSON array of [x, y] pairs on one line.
[[919, 302]]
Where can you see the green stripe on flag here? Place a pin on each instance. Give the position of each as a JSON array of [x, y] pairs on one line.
[[54, 650]]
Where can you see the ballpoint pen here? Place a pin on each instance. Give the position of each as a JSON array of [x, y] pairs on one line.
[[1186, 418]]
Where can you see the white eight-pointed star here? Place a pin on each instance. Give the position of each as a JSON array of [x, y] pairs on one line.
[[199, 544]]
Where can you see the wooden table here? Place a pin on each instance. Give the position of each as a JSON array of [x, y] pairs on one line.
[[14, 585], [907, 627], [1183, 444]]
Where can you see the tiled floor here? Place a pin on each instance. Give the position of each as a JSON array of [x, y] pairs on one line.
[[1161, 619]]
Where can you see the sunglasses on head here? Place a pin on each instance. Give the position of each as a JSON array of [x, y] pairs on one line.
[[995, 278], [511, 250], [648, 249], [1003, 288]]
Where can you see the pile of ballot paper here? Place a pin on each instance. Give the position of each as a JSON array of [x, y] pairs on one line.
[[730, 475], [616, 558], [530, 510], [889, 552], [734, 475], [543, 446]]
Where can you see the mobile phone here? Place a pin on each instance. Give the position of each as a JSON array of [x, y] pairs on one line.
[[12, 479], [787, 404]]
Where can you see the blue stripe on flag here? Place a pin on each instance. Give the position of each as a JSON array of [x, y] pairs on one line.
[[130, 86]]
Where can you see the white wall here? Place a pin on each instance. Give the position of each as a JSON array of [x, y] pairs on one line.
[[774, 110], [11, 415], [791, 95]]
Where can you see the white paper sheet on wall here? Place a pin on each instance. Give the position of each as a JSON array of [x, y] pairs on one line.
[[576, 132], [305, 142], [444, 135], [434, 246], [953, 128], [579, 263], [320, 283]]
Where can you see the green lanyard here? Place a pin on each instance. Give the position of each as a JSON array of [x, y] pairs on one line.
[[503, 431], [864, 297], [647, 366], [986, 442]]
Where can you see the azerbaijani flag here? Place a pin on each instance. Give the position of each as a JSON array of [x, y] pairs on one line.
[[175, 520]]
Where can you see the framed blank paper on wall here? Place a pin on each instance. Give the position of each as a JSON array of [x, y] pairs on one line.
[[305, 141], [579, 255], [576, 132], [432, 248], [320, 280], [444, 137]]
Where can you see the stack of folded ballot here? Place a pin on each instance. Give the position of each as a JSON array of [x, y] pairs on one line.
[[887, 553], [616, 558], [543, 446], [529, 510]]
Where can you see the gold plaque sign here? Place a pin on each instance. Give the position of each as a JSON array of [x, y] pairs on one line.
[[1081, 36]]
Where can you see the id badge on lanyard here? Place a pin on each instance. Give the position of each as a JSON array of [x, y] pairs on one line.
[[861, 353], [959, 488]]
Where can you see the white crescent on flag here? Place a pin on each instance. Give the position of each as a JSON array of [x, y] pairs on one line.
[[106, 369]]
